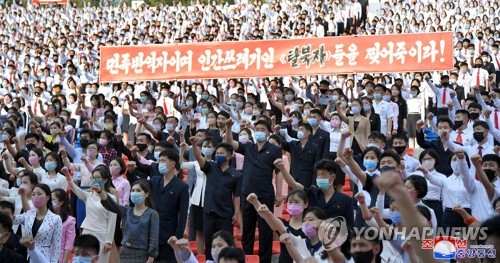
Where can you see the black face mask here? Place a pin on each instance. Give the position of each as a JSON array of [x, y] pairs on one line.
[[445, 84], [142, 146], [491, 174], [457, 124], [400, 149], [478, 136], [474, 115], [363, 257], [84, 143], [478, 65], [30, 146]]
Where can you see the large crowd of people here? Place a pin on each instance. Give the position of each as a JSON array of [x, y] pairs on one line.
[[216, 169]]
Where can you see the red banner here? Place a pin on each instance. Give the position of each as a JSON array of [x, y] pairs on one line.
[[47, 2], [286, 57]]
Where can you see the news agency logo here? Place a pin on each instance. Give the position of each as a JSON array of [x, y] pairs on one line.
[[333, 232], [445, 247]]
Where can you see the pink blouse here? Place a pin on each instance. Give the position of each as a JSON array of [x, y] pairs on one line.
[[123, 187], [68, 236]]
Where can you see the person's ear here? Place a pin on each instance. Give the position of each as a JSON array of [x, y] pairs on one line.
[[376, 250]]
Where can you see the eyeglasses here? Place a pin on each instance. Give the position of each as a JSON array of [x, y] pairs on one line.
[[95, 178], [92, 148]]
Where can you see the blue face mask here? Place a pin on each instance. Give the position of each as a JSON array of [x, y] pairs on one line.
[[136, 198], [144, 99], [207, 151], [164, 93], [288, 97], [239, 104], [220, 159], [50, 166], [81, 260], [162, 167], [300, 135], [99, 182], [205, 97], [396, 218], [260, 136], [367, 108], [156, 155], [313, 122], [354, 110], [370, 164], [377, 96], [322, 183]]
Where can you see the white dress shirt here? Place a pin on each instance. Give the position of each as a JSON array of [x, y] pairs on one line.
[[198, 195], [384, 110], [479, 77], [434, 190], [453, 189], [480, 205]]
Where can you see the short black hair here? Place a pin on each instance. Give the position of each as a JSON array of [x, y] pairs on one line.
[[400, 136], [392, 155], [32, 135], [88, 241], [445, 119], [227, 147], [306, 126], [264, 123], [5, 221], [481, 124], [464, 113], [430, 152], [326, 164], [7, 205], [420, 185], [491, 158], [232, 253], [378, 135], [475, 105]]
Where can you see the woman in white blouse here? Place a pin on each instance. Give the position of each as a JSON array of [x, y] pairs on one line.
[[429, 159], [52, 177], [26, 180], [198, 193], [41, 223], [98, 221], [453, 190]]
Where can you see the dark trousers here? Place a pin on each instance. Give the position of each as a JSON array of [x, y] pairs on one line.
[[166, 254], [250, 219], [452, 219], [192, 230], [442, 112], [211, 224], [349, 25], [437, 206]]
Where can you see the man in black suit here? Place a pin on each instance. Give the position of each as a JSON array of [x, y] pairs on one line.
[[444, 123], [304, 154]]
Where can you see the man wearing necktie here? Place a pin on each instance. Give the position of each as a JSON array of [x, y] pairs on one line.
[[443, 94], [480, 75], [496, 61]]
